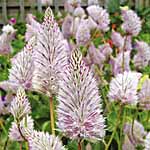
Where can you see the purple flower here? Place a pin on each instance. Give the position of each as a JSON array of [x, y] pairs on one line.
[[131, 22], [50, 56], [26, 126], [20, 106], [142, 58], [144, 95], [67, 26], [123, 88], [105, 49], [44, 141], [117, 62], [79, 12], [83, 33], [79, 109], [117, 39], [99, 15], [147, 142], [12, 21], [91, 23], [136, 136], [127, 145], [22, 69]]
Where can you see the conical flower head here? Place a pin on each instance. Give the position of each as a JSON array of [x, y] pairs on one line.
[[25, 126], [50, 56], [20, 105], [44, 141], [123, 87], [79, 109], [22, 68]]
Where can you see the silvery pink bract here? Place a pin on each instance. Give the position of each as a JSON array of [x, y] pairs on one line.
[[26, 126], [22, 69], [79, 109], [142, 58], [117, 63], [44, 141], [20, 106], [144, 95], [8, 34], [50, 56], [123, 88], [131, 22], [135, 137], [147, 142], [83, 33], [99, 15]]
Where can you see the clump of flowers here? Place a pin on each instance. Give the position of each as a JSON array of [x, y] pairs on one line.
[[132, 23], [79, 110], [123, 88], [83, 33], [100, 16]]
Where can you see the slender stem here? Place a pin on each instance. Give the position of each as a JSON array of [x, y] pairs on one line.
[[20, 145], [117, 124], [27, 146], [6, 142], [123, 56], [80, 144], [52, 116], [148, 116]]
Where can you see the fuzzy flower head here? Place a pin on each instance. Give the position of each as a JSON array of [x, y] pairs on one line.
[[26, 126], [99, 15], [117, 62], [79, 110], [123, 88], [131, 22], [22, 68], [20, 105], [142, 58], [8, 29], [117, 39], [83, 33], [44, 141], [147, 142], [144, 95], [50, 56], [79, 12], [138, 132]]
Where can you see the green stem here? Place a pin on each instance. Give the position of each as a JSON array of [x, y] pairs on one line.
[[52, 116], [115, 129], [80, 144]]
